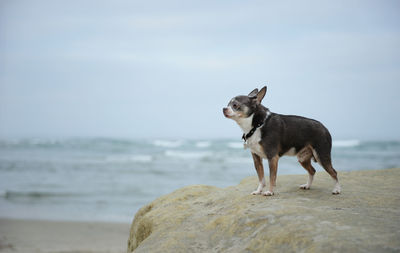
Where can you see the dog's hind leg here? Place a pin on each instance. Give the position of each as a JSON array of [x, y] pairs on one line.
[[337, 189], [311, 171], [304, 157], [260, 172], [325, 161]]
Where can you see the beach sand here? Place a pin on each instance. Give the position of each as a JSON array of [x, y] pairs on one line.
[[58, 236]]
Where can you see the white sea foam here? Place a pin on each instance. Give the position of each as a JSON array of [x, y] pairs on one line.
[[203, 144], [129, 158], [346, 143], [186, 155], [167, 144], [235, 144]]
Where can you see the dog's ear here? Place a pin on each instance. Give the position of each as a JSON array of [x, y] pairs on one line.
[[253, 94], [261, 94]]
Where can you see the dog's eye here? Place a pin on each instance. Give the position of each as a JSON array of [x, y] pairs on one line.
[[235, 106]]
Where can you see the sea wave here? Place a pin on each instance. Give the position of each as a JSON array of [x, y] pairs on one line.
[[235, 145], [346, 143], [33, 142], [168, 144], [203, 144], [186, 155], [107, 144], [130, 158], [36, 194]]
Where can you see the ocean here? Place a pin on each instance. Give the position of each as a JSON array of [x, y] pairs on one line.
[[104, 179]]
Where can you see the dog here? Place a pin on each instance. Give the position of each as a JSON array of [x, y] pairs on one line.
[[270, 136]]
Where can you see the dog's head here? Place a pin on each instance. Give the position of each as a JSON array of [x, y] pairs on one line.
[[244, 106]]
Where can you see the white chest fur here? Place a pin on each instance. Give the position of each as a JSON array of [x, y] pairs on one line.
[[245, 123], [254, 141], [254, 144]]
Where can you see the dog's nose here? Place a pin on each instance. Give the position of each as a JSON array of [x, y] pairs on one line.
[[225, 111]]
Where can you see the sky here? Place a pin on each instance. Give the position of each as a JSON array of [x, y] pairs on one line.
[[165, 69]]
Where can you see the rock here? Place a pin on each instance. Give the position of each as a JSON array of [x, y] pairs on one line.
[[364, 218]]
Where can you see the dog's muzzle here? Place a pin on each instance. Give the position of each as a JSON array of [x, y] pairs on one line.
[[226, 112]]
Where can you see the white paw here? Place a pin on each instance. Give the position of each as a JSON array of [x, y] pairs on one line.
[[260, 187], [267, 193], [305, 186], [337, 189], [256, 192]]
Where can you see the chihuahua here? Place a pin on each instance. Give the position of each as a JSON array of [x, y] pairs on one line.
[[270, 136]]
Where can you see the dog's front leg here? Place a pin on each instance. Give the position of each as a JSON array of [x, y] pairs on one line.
[[273, 168], [260, 172]]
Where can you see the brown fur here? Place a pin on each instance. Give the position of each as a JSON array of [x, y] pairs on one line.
[[258, 164], [273, 168]]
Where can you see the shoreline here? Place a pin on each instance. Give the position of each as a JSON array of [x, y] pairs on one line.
[[24, 235]]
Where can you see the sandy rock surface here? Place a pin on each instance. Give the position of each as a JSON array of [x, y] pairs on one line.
[[364, 218]]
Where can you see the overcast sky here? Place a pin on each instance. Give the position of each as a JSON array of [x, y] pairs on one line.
[[165, 69]]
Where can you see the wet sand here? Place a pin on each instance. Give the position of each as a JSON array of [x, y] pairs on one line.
[[58, 236]]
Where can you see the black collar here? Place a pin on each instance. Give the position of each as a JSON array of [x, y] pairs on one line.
[[249, 134]]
